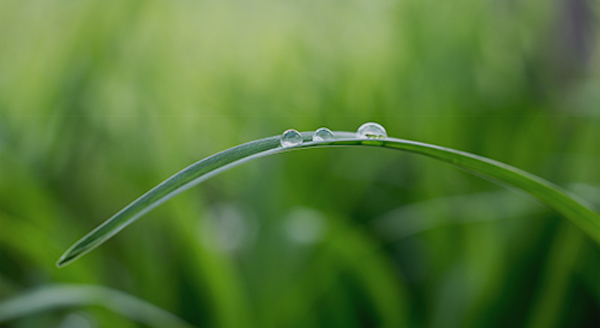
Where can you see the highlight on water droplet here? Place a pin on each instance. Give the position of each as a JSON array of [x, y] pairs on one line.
[[371, 130], [322, 134], [290, 138]]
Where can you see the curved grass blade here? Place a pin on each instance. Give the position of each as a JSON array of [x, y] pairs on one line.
[[549, 194], [61, 296]]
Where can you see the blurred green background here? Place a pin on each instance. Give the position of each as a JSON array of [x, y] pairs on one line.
[[102, 100]]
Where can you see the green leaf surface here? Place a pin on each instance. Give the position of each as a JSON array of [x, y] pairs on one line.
[[569, 206]]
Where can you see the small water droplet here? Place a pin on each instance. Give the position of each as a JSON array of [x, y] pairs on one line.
[[290, 138], [322, 134], [371, 130]]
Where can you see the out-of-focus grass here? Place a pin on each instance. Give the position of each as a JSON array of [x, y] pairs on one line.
[[101, 100]]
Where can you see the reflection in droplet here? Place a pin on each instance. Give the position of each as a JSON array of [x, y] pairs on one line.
[[371, 130], [290, 138], [322, 134]]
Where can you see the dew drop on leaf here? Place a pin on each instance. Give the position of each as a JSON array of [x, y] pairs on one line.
[[290, 138], [371, 130], [322, 134]]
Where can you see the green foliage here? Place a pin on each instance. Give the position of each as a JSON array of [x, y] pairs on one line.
[[101, 100], [61, 296]]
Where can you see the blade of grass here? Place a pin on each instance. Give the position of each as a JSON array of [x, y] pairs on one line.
[[65, 296], [549, 194], [556, 279], [466, 209]]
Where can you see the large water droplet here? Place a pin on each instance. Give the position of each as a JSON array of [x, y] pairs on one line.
[[290, 138], [322, 134], [371, 130]]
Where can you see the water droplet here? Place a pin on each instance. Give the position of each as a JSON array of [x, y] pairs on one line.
[[322, 134], [371, 130], [290, 138]]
